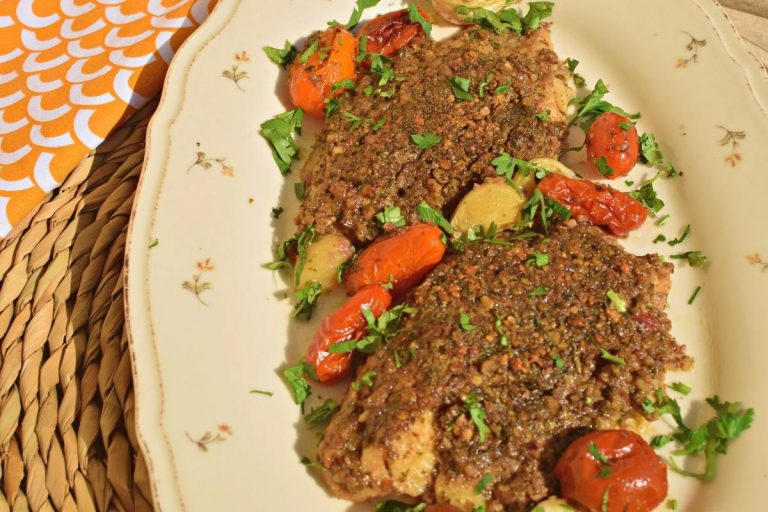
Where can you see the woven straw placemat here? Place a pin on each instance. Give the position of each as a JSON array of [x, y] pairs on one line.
[[67, 437]]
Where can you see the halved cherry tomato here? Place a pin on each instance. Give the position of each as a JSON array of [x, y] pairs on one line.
[[344, 324], [389, 33], [630, 477], [607, 139], [600, 204], [332, 61], [402, 259]]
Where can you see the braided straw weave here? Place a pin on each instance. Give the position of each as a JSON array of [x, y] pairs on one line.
[[67, 436]]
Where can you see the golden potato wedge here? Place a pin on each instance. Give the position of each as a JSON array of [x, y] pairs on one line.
[[553, 165], [323, 259], [553, 504], [493, 201]]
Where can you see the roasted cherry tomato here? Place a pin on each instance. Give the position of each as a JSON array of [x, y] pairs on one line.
[[620, 213], [313, 73], [389, 33], [616, 467], [402, 259], [607, 139], [442, 507], [344, 324]]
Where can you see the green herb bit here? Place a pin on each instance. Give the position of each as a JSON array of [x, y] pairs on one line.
[[306, 300], [650, 152], [663, 220], [354, 121], [539, 291], [672, 504], [261, 392], [277, 211], [604, 354], [298, 189], [429, 214], [597, 454], [282, 57], [681, 388], [367, 378], [501, 89], [477, 413], [311, 463], [321, 415], [546, 208], [629, 183], [540, 259], [618, 303], [647, 195], [296, 377], [695, 294], [603, 167], [659, 238], [379, 123], [308, 52], [694, 258], [484, 85], [593, 105], [460, 88], [571, 64], [466, 323], [578, 80], [346, 84], [506, 166], [362, 48], [331, 106], [480, 508], [380, 67], [483, 483], [536, 12], [503, 340], [381, 330], [686, 232], [559, 362], [500, 23], [357, 12], [154, 243], [626, 126], [415, 16], [543, 116], [397, 506], [604, 502], [278, 131], [426, 140], [391, 215]]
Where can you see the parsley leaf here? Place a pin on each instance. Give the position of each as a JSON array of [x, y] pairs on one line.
[[682, 237], [591, 106], [391, 215], [331, 106], [460, 88], [618, 303], [681, 388], [648, 196], [306, 300], [308, 52], [298, 189], [650, 153], [600, 458], [539, 291], [506, 166], [367, 378], [277, 211], [466, 323], [429, 214], [477, 413], [379, 123], [320, 416], [426, 140], [540, 259], [282, 57], [357, 12], [543, 116], [500, 23], [295, 375], [415, 16], [578, 80], [695, 294], [483, 483], [503, 340], [380, 66], [501, 89], [604, 354], [694, 258], [347, 84], [301, 242], [278, 132], [546, 208], [379, 330], [536, 11], [603, 167], [354, 121]]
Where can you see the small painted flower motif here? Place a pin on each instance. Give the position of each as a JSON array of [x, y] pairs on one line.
[[732, 138], [693, 52], [197, 286], [202, 442], [236, 74], [757, 260], [205, 163]]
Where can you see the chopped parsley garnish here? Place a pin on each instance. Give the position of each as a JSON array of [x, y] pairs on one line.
[[460, 88], [331, 106], [626, 126], [604, 354], [647, 195], [503, 340], [379, 123], [429, 214], [695, 294], [663, 220], [540, 259], [694, 258], [618, 303], [379, 330], [346, 84], [391, 215], [650, 153], [357, 13], [600, 458], [483, 85], [466, 323], [367, 378], [682, 237], [276, 212], [298, 189], [659, 238], [426, 140], [320, 416], [539, 291], [672, 504], [604, 504], [380, 66], [591, 106], [301, 241], [507, 19], [578, 80], [536, 12], [559, 362], [681, 388], [543, 116], [603, 167], [546, 208], [296, 377], [501, 89], [479, 234], [709, 439], [477, 414], [311, 463], [261, 392], [306, 300], [308, 52], [483, 483], [354, 121], [506, 166], [415, 16], [282, 57], [278, 131]]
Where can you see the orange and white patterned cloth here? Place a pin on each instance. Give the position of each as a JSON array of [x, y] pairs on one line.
[[70, 71]]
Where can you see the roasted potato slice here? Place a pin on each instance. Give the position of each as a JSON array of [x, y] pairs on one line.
[[323, 259], [493, 201]]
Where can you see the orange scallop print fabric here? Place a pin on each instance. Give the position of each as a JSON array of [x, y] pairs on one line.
[[70, 71]]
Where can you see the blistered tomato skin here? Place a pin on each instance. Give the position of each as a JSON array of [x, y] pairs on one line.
[[634, 477], [620, 147], [604, 206], [344, 324], [310, 82], [389, 33]]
